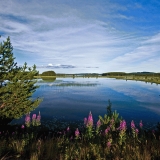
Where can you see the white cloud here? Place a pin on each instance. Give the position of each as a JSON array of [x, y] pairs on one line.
[[141, 58], [77, 34], [50, 64]]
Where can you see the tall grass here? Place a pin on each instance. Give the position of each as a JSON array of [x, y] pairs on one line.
[[110, 138]]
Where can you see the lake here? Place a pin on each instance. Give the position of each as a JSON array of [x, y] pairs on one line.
[[72, 99]]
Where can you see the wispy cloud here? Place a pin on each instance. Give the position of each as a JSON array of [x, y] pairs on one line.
[[50, 65], [97, 36]]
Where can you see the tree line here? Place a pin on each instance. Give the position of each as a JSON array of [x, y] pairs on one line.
[[131, 74]]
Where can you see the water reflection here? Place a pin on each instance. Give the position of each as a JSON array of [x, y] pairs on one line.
[[68, 84], [50, 79], [74, 98]]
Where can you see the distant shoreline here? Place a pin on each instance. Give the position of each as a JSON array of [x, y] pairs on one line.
[[147, 79]]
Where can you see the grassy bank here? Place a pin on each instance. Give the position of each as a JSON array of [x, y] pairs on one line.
[[147, 79], [109, 138]]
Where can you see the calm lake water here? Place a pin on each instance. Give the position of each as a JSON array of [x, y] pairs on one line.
[[72, 99]]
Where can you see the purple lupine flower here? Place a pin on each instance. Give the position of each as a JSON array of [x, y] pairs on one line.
[[22, 126], [77, 133], [122, 125], [90, 119], [107, 130], [85, 121], [98, 123], [132, 124], [141, 124]]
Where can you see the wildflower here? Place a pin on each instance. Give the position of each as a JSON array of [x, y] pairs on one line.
[[98, 127], [85, 121], [38, 120], [33, 117], [77, 133], [27, 120], [136, 130], [108, 144], [22, 126], [89, 126], [141, 124], [98, 123], [122, 125], [68, 129], [90, 120], [71, 138], [107, 130], [122, 133], [132, 124]]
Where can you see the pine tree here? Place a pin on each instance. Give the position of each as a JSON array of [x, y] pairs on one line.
[[17, 85], [6, 60]]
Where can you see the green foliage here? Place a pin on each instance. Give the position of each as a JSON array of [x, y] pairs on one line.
[[111, 118], [150, 74], [109, 110], [114, 74], [16, 93], [7, 64], [48, 73], [41, 143]]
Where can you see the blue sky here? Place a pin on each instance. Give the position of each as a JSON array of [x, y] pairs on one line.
[[77, 36]]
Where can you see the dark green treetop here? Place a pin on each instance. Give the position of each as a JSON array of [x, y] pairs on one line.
[[7, 63], [48, 73], [17, 85]]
